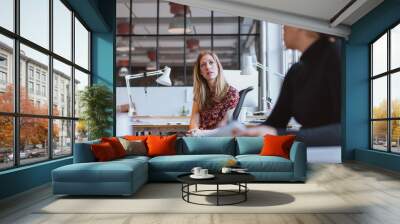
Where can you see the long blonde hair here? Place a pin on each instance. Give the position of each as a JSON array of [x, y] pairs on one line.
[[201, 91]]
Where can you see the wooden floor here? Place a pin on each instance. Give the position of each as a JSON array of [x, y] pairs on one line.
[[378, 188]]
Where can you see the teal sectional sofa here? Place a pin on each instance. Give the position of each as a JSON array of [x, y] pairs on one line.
[[125, 176]]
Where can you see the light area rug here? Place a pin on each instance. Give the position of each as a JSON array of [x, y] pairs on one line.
[[167, 198]]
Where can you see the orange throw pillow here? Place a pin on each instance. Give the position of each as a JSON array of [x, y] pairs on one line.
[[103, 152], [277, 145], [135, 138], [161, 145], [116, 145]]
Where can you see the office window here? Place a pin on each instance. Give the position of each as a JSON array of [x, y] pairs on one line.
[[62, 29], [7, 14], [63, 73], [62, 138], [6, 73], [45, 130], [183, 31], [385, 94], [6, 142], [81, 45], [34, 24]]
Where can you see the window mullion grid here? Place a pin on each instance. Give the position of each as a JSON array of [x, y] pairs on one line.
[[212, 30], [73, 81], [130, 39], [157, 36], [184, 45], [371, 137], [389, 101], [16, 84], [238, 36], [50, 81]]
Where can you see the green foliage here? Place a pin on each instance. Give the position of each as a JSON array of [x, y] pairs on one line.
[[96, 102]]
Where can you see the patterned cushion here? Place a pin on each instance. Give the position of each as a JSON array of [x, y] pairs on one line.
[[135, 147]]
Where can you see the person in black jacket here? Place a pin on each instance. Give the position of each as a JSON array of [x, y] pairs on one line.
[[310, 92]]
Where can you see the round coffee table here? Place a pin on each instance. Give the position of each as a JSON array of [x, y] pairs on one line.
[[238, 179]]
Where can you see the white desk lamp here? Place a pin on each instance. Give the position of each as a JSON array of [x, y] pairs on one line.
[[164, 80]]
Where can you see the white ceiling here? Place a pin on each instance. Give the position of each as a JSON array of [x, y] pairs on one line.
[[309, 14]]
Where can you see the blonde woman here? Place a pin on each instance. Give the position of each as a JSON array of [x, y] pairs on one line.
[[214, 99]]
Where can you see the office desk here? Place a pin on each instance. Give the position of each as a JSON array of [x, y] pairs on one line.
[[159, 125]]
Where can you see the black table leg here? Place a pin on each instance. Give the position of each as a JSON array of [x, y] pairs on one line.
[[217, 194]]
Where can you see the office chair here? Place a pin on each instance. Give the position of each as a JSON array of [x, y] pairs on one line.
[[242, 95]]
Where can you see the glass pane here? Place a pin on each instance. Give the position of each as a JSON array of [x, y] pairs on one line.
[[81, 131], [395, 95], [379, 135], [62, 141], [81, 45], [6, 142], [123, 8], [7, 14], [33, 139], [144, 17], [195, 45], [379, 55], [249, 26], [62, 29], [34, 81], [35, 21], [225, 24], [395, 136], [395, 47], [81, 81], [143, 59], [172, 18], [62, 89], [200, 20], [226, 48], [379, 98], [171, 54], [122, 59], [6, 74]]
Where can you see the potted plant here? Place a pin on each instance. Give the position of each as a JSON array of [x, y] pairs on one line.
[[96, 103]]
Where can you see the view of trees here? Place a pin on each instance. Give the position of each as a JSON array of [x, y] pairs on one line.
[[380, 127], [34, 131]]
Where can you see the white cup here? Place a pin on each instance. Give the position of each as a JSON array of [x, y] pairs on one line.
[[196, 171], [226, 170], [203, 172]]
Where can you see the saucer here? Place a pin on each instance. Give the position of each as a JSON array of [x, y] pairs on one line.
[[208, 176]]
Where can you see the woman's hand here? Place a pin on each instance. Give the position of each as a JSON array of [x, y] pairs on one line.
[[256, 131]]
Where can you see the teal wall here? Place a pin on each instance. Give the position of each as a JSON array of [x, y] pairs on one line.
[[356, 120], [99, 16]]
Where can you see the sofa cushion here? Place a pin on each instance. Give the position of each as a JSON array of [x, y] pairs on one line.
[[134, 147], [257, 163], [249, 145], [103, 152], [207, 145], [277, 145], [161, 145], [185, 163], [116, 145]]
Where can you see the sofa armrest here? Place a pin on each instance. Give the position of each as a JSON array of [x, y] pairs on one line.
[[83, 152], [298, 155]]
